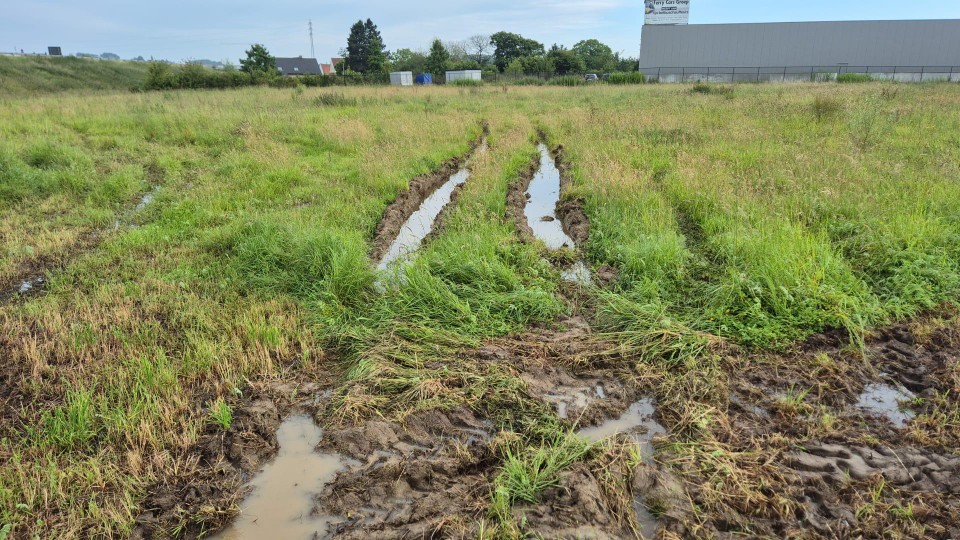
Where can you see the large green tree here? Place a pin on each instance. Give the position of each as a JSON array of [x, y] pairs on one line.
[[565, 62], [408, 60], [376, 50], [595, 55], [509, 47], [258, 60], [365, 52], [438, 59]]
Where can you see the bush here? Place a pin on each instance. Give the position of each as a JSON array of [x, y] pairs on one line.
[[854, 78], [285, 82], [321, 81], [335, 99], [631, 77], [466, 82], [704, 88], [529, 81], [825, 107], [567, 80]]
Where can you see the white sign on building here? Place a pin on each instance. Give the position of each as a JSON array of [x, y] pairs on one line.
[[666, 12]]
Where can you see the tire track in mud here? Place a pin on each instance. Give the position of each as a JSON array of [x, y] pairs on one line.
[[32, 278], [410, 200], [592, 389], [573, 229], [845, 468]]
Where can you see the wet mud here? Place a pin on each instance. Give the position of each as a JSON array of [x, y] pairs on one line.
[[395, 235], [428, 477], [855, 445]]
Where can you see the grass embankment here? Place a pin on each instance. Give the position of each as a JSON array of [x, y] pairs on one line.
[[24, 76], [747, 216]]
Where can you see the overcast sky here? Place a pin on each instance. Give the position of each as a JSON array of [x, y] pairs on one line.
[[220, 30]]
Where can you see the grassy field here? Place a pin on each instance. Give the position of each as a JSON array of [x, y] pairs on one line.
[[739, 222], [39, 75]]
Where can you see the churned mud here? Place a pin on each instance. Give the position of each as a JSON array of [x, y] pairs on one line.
[[428, 477], [412, 216], [853, 444]]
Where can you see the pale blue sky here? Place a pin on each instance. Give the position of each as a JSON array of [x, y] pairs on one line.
[[220, 29]]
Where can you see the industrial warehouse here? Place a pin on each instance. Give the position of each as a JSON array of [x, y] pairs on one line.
[[906, 51]]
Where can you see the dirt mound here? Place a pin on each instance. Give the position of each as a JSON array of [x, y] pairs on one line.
[[428, 477], [571, 211]]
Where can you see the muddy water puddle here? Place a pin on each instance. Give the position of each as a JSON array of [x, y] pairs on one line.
[[884, 399], [281, 501], [579, 274], [637, 422], [543, 197], [422, 222], [645, 518]]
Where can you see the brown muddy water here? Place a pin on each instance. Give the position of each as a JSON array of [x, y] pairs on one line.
[[637, 422], [281, 501], [886, 400]]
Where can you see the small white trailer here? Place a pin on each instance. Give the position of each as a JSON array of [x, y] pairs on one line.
[[401, 78], [469, 74]]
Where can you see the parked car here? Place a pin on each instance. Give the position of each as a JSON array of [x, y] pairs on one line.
[[591, 77]]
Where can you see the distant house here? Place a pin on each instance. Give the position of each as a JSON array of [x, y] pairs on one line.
[[327, 69], [333, 63], [294, 67]]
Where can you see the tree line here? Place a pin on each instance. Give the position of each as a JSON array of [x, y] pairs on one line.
[[367, 60], [502, 52]]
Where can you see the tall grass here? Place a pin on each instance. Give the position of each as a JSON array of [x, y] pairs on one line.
[[759, 219]]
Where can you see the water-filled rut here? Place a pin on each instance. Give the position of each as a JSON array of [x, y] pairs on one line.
[[280, 504], [414, 215], [536, 206]]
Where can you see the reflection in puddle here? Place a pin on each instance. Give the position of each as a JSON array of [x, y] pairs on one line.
[[420, 224], [146, 200], [578, 398], [541, 209], [579, 273], [30, 284], [637, 421], [884, 399], [543, 196], [281, 501]]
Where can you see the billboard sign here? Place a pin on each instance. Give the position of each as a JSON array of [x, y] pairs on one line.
[[666, 11]]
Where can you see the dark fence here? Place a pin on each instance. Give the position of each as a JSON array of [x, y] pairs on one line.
[[801, 73]]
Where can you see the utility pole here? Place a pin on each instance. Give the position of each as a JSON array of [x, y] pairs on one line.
[[313, 53]]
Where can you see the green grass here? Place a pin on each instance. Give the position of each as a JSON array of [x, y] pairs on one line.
[[33, 75], [757, 217]]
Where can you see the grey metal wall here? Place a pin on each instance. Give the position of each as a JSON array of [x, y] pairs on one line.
[[857, 43]]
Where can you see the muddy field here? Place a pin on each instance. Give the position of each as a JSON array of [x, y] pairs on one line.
[[819, 441], [498, 313]]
